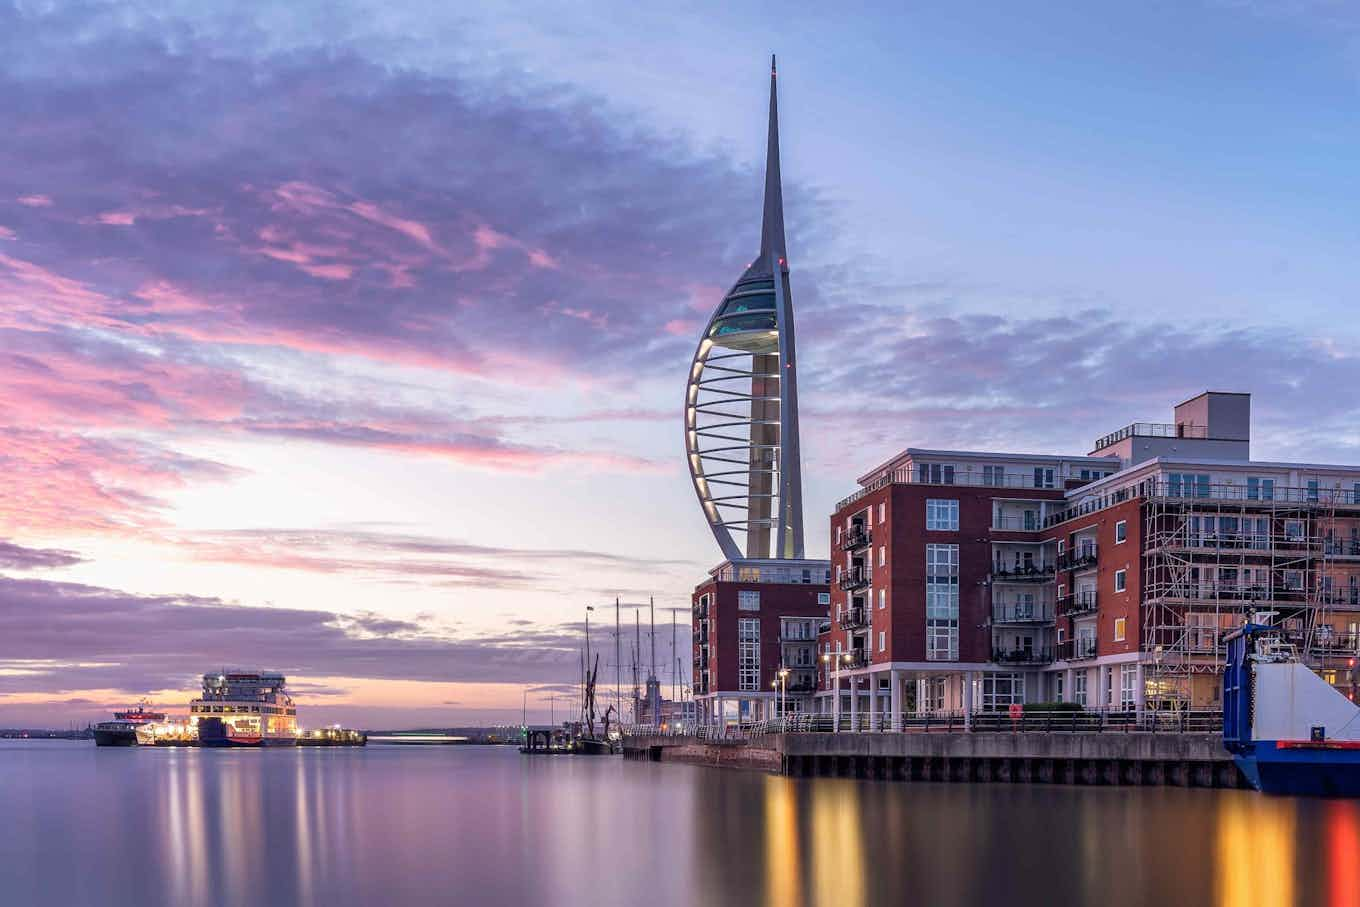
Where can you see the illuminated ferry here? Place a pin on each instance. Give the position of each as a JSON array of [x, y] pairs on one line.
[[128, 728], [244, 709]]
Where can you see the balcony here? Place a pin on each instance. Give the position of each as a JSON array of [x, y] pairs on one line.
[[1081, 602], [1081, 558], [701, 611], [853, 618], [1349, 597], [1079, 649], [1006, 523], [701, 636], [855, 578], [1341, 547], [1022, 656], [701, 661], [858, 536], [1022, 613], [1337, 644], [859, 658], [1025, 573]]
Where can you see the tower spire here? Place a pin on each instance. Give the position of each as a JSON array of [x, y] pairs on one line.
[[772, 249]]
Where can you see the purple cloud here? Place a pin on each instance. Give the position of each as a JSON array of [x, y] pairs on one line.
[[18, 557]]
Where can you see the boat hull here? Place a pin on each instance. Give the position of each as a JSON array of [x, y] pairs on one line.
[[1301, 770], [589, 746], [213, 732], [115, 738]]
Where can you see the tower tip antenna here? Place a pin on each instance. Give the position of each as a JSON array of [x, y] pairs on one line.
[[773, 70]]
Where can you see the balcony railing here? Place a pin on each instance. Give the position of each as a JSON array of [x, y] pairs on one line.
[[701, 610], [1341, 547], [1152, 430], [1022, 656], [989, 477], [701, 636], [859, 658], [1084, 556], [858, 536], [1022, 612], [1340, 597], [1080, 602], [855, 578], [1227, 592], [852, 618], [1025, 573], [1077, 649], [1336, 643], [1017, 523]]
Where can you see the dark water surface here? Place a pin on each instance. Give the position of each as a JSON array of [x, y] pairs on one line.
[[450, 825]]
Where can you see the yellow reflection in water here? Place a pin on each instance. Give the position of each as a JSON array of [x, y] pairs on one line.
[[782, 888], [1255, 851], [837, 844]]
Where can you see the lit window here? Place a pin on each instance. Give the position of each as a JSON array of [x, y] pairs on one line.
[[1120, 580], [1121, 532], [1120, 624]]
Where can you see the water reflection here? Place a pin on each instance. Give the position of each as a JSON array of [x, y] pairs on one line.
[[1255, 847], [402, 825]]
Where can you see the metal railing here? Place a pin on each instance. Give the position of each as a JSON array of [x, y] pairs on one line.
[[855, 578], [1030, 721], [1025, 573], [1081, 602], [1152, 430], [1022, 656], [989, 477], [856, 537], [853, 618], [1082, 557], [1004, 612]]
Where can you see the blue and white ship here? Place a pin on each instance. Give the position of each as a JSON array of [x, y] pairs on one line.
[[1290, 732]]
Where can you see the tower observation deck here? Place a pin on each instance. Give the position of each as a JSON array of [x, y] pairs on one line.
[[741, 399]]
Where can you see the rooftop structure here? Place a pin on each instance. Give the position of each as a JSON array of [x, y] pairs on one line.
[[741, 398]]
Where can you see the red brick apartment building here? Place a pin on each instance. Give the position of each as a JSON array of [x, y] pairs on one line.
[[755, 625], [969, 581]]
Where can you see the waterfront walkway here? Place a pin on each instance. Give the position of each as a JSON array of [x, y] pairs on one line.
[[1142, 752]]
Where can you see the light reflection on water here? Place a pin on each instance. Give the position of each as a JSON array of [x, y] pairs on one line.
[[439, 825]]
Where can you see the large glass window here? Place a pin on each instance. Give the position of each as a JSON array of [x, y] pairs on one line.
[[1079, 688], [1259, 489], [1187, 484], [942, 515], [748, 600], [942, 602], [748, 653], [1002, 690], [936, 473]]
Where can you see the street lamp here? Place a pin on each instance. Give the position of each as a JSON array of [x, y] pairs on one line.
[[842, 658]]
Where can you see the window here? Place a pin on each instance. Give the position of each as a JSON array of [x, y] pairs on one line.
[[1062, 546], [882, 556], [1058, 686], [1120, 580], [1121, 532], [1312, 489], [1002, 690], [942, 515], [823, 598], [748, 600], [935, 473], [1259, 489], [882, 513], [882, 640], [1043, 477], [942, 602], [1187, 484], [882, 599], [1120, 626], [993, 475], [932, 694], [1079, 688], [748, 653]]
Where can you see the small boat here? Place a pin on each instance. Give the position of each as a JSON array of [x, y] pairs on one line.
[[130, 727], [1290, 732]]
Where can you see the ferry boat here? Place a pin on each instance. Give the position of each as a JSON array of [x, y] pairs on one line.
[[244, 709], [128, 728], [1290, 732]]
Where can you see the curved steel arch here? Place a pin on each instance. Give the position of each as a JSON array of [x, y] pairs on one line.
[[749, 340]]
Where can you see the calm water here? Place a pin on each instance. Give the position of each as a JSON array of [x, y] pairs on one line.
[[446, 825]]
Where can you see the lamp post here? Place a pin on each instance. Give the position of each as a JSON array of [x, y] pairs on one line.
[[835, 668], [782, 685]]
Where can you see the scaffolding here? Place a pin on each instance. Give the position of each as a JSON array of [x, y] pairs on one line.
[[1214, 555]]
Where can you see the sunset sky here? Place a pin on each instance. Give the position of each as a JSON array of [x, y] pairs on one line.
[[348, 339]]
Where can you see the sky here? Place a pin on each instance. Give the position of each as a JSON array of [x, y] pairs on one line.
[[348, 339]]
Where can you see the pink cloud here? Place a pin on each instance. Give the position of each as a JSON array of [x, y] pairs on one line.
[[329, 272], [6, 233], [34, 201], [680, 327]]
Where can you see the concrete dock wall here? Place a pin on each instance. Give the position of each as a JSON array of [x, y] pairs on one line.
[[1196, 760]]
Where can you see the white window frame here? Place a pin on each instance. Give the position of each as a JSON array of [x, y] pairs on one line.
[[882, 555], [942, 515], [882, 599], [882, 640], [882, 514], [1121, 581], [1121, 532], [748, 599], [1121, 625], [748, 653]]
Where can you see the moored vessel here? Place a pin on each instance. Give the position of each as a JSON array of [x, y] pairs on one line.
[[128, 728], [244, 709], [1290, 732]]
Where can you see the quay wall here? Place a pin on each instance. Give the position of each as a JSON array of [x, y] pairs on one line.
[[1192, 760]]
